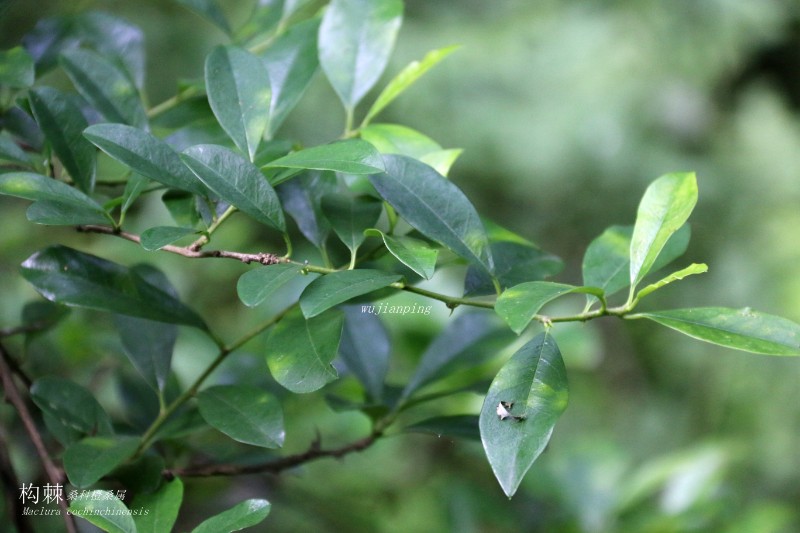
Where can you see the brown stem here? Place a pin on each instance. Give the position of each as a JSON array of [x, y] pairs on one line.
[[277, 466], [12, 394], [263, 258]]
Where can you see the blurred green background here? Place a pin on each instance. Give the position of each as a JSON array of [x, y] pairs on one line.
[[566, 111]]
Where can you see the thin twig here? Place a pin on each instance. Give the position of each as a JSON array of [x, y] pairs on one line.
[[263, 258], [12, 393], [277, 466]]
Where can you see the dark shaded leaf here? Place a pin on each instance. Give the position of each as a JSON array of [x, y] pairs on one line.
[[105, 86], [64, 275], [533, 386], [63, 123], [145, 154], [237, 181], [413, 253], [291, 62], [88, 460], [333, 289], [60, 203], [70, 411], [365, 349], [514, 263], [244, 413], [461, 426], [300, 351], [349, 216], [301, 198], [435, 207], [209, 10]]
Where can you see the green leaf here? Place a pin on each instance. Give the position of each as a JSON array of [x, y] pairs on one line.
[[519, 304], [740, 329], [332, 289], [11, 151], [291, 61], [349, 216], [442, 160], [435, 207], [256, 285], [63, 123], [606, 263], [301, 198], [410, 74], [162, 508], [133, 189], [396, 139], [16, 68], [300, 351], [69, 277], [534, 380], [356, 39], [413, 253], [665, 206], [460, 344], [145, 154], [244, 413], [105, 86], [70, 411], [352, 156], [514, 263], [691, 270], [237, 181], [239, 92], [209, 10], [88, 460], [243, 515], [461, 426], [100, 508], [160, 236], [66, 205], [365, 349]]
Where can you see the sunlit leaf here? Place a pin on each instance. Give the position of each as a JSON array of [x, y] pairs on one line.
[[16, 68], [533, 388], [300, 351], [241, 516], [691, 270], [160, 236], [406, 78], [397, 139], [162, 507], [254, 286], [664, 208], [740, 329], [413, 253], [356, 39], [352, 156], [66, 276], [239, 92], [104, 510], [244, 413], [519, 304], [435, 207]]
